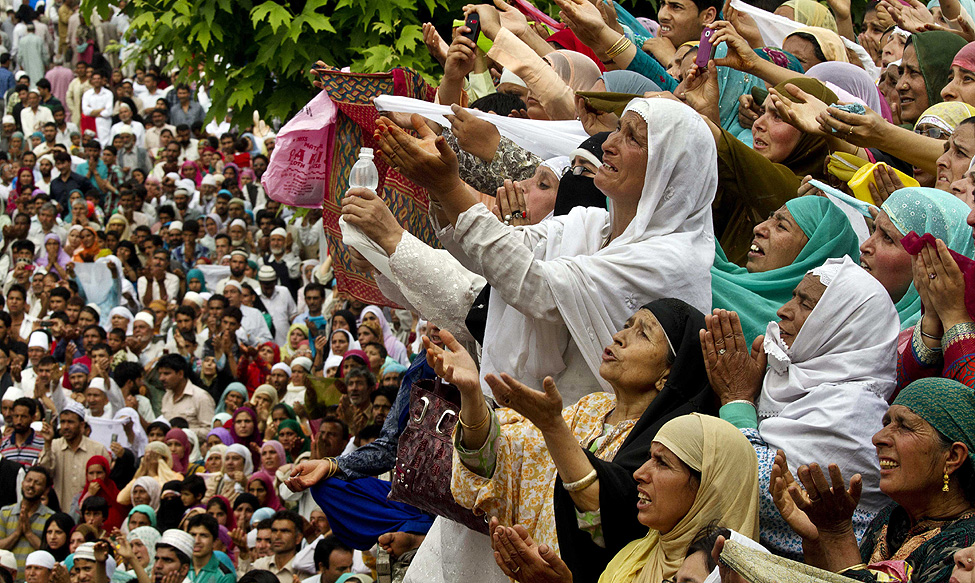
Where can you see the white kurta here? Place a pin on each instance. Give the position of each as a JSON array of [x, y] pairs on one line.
[[104, 101]]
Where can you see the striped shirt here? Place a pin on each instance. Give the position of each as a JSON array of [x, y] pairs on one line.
[[26, 454], [10, 518]]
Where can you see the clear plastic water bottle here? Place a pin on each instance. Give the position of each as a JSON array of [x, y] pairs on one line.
[[364, 173]]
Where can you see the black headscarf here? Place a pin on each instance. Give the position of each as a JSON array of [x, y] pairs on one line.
[[170, 509], [579, 190], [686, 391], [65, 523]]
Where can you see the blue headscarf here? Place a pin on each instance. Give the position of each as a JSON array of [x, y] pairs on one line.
[[758, 296], [235, 387], [196, 274], [623, 81], [928, 210]]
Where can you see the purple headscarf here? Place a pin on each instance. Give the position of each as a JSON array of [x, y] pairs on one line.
[[42, 257], [224, 434]]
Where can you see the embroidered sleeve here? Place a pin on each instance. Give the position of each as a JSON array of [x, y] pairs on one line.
[[481, 461]]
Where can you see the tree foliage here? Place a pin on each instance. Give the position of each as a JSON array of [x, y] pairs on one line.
[[258, 54]]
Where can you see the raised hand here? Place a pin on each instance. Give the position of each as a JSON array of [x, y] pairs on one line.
[[426, 159], [365, 209], [543, 409], [436, 45], [800, 110], [735, 374], [453, 363], [511, 208], [521, 558], [474, 135]]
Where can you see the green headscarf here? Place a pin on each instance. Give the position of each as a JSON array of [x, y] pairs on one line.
[[928, 210], [296, 427], [949, 406], [144, 509], [196, 274], [758, 296], [935, 51]]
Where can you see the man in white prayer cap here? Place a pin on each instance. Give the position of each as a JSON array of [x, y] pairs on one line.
[[174, 551], [38, 567]]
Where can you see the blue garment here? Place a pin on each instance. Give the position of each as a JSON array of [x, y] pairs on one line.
[[7, 81], [359, 511], [650, 68], [380, 455], [623, 81]]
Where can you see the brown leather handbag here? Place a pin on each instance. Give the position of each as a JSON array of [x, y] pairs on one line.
[[425, 454]]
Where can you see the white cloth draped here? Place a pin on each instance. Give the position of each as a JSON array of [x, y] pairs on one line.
[[825, 396], [544, 138]]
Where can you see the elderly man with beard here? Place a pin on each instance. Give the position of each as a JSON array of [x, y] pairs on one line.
[[22, 525], [132, 156], [285, 263], [238, 264], [278, 301], [125, 120], [142, 343]]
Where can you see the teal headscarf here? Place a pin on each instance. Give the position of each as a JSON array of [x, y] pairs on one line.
[[196, 274], [238, 388], [758, 296], [949, 406], [144, 509], [928, 210]]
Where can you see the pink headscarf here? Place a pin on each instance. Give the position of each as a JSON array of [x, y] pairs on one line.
[[271, 500], [180, 464], [965, 58]]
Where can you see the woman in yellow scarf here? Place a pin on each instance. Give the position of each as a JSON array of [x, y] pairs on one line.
[[701, 469]]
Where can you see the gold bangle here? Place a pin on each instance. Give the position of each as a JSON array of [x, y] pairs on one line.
[[477, 425], [582, 484], [852, 568], [618, 48]]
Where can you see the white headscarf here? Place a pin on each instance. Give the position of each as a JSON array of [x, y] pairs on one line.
[[825, 396], [353, 343], [138, 445], [665, 252]]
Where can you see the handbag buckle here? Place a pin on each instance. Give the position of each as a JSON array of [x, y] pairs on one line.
[[423, 412], [442, 417]]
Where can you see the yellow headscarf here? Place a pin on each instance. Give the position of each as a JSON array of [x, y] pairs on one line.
[[812, 13], [728, 494], [829, 42]]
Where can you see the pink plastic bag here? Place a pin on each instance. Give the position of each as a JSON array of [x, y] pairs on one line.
[[297, 174]]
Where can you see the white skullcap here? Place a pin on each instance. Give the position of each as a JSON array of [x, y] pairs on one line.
[[8, 560], [39, 339], [282, 366], [98, 383], [172, 175], [302, 361], [233, 283], [75, 407], [508, 77], [185, 191], [193, 298], [267, 273], [40, 559], [179, 540], [85, 551], [279, 231], [124, 104], [145, 317], [176, 225], [12, 394], [238, 223], [9, 119], [209, 180], [125, 129]]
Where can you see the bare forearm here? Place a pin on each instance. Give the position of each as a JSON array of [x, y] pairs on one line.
[[451, 90], [572, 464], [536, 42], [839, 551]]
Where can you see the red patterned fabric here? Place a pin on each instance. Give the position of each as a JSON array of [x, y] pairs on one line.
[[354, 125]]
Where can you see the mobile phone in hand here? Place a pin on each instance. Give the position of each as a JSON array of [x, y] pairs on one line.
[[474, 23], [705, 50]]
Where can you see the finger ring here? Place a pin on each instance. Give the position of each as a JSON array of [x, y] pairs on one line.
[[508, 222], [506, 400], [932, 275], [518, 215], [722, 351], [516, 569], [507, 218]]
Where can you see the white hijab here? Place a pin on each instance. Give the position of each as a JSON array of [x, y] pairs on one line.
[[665, 252], [824, 398], [138, 445]]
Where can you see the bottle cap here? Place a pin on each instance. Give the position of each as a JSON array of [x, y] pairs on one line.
[[365, 152]]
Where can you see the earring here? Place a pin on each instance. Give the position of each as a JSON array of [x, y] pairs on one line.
[[945, 487]]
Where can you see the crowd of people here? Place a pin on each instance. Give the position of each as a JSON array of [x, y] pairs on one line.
[[703, 287]]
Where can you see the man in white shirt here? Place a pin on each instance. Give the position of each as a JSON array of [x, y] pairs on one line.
[[64, 128], [152, 92], [158, 118], [34, 116], [163, 285], [98, 103], [126, 121], [279, 303], [252, 322], [238, 264]]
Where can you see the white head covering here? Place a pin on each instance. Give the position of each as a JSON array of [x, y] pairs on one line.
[[75, 407], [39, 339], [138, 446], [508, 77], [282, 366], [8, 560], [332, 360], [42, 559], [145, 317], [665, 251], [353, 343], [86, 551], [394, 348], [12, 394], [179, 540], [825, 396], [97, 383], [302, 361], [243, 452]]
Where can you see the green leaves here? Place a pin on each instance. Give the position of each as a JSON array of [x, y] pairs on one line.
[[276, 15]]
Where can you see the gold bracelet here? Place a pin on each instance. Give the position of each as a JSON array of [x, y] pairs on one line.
[[477, 425], [852, 568], [618, 48]]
